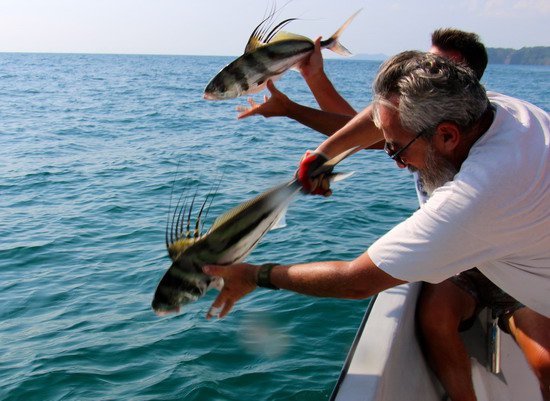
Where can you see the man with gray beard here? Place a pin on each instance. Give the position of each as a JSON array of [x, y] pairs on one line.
[[454, 304], [436, 172], [493, 213]]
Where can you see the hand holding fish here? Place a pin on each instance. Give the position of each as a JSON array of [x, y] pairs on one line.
[[278, 104], [313, 65], [312, 181], [230, 239], [239, 280]]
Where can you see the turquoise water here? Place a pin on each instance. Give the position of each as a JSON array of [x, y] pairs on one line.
[[91, 148]]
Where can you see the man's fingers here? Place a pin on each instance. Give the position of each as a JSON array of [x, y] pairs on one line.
[[239, 280], [325, 184], [246, 113], [321, 186], [216, 306], [220, 307], [212, 312], [226, 308], [272, 89], [324, 187], [317, 43]]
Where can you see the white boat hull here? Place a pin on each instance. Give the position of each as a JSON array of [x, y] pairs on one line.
[[386, 362]]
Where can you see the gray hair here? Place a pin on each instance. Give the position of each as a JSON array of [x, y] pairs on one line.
[[430, 89]]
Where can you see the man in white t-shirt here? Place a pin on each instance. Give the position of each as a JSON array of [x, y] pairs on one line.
[[496, 203], [487, 165]]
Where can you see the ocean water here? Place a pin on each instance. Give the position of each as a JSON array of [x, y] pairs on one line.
[[91, 148]]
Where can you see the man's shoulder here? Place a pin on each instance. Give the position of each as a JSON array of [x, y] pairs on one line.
[[511, 103], [501, 98]]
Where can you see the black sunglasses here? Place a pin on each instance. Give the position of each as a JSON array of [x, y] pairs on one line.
[[397, 154]]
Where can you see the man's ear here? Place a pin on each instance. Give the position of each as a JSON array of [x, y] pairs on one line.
[[447, 138]]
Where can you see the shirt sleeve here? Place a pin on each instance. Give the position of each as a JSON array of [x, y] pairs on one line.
[[430, 245]]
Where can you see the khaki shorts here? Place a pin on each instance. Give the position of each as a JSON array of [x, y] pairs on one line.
[[487, 295]]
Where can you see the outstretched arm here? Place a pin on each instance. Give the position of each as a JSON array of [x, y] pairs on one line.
[[279, 105], [328, 98], [360, 132], [335, 110], [358, 279]]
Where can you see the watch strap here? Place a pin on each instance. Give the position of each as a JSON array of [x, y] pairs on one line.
[[264, 276]]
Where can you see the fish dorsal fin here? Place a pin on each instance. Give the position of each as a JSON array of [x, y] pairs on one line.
[[176, 248], [181, 232], [263, 33], [253, 44], [283, 35], [256, 37]]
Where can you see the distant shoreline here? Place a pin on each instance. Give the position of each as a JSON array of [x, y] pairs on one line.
[[539, 55]]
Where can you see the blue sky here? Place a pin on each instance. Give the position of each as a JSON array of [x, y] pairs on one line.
[[222, 27]]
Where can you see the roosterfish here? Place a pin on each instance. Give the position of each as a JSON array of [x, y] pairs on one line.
[[268, 54], [230, 240]]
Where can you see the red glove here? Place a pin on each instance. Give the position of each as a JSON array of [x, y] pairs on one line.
[[312, 182]]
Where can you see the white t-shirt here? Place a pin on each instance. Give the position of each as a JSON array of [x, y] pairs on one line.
[[494, 215]]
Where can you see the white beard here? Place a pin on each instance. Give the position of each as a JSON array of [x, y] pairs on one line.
[[437, 172]]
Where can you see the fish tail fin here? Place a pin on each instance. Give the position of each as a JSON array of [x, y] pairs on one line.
[[337, 177], [328, 166], [281, 220], [333, 44], [338, 48]]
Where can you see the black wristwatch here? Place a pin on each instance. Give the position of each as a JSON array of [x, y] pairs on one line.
[[264, 276]]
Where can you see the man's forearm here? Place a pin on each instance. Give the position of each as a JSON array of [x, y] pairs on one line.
[[321, 121], [358, 279], [327, 96], [359, 132]]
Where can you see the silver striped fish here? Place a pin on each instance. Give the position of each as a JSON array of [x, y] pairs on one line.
[[230, 240], [267, 56]]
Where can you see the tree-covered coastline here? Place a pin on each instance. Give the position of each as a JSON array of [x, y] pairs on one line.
[[539, 55]]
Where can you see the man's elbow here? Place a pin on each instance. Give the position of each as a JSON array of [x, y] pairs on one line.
[[367, 280]]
